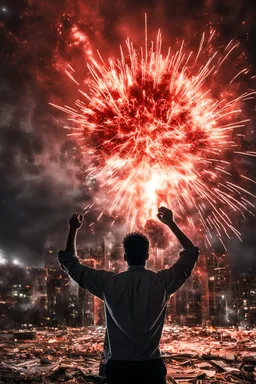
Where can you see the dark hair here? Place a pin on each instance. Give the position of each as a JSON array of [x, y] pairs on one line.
[[136, 246]]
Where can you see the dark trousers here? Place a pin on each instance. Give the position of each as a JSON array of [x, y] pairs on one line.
[[136, 372]]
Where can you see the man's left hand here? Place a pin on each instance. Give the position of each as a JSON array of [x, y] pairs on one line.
[[76, 221]]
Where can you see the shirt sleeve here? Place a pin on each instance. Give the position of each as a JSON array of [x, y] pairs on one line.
[[174, 277], [87, 278]]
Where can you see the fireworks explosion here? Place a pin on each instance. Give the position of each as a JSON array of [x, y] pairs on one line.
[[152, 133]]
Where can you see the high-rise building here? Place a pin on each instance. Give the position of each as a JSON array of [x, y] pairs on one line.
[[91, 307], [218, 288], [50, 257], [57, 288], [21, 293], [37, 277], [244, 299], [185, 306], [210, 295]]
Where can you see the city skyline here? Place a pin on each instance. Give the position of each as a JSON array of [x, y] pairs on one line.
[[212, 296]]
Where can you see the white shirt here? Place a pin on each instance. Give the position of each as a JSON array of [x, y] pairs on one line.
[[135, 301]]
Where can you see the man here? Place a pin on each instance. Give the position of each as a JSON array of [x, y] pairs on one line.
[[135, 301]]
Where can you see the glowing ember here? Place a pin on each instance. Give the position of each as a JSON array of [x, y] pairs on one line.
[[152, 133]]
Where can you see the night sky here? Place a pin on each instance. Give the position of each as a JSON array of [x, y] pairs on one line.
[[41, 177]]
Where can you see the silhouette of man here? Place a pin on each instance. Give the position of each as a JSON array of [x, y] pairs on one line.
[[135, 301]]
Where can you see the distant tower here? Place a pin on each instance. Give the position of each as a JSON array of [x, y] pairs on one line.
[[218, 287], [50, 257], [92, 309], [104, 250], [157, 258], [203, 279]]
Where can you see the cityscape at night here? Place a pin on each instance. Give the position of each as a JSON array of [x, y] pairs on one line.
[[47, 296], [46, 317]]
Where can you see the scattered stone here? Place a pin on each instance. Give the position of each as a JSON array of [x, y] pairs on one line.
[[192, 355]]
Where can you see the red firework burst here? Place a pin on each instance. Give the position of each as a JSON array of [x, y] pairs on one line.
[[152, 133]]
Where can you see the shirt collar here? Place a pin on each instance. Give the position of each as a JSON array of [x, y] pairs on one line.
[[135, 267]]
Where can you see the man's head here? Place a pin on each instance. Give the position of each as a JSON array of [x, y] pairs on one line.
[[136, 247]]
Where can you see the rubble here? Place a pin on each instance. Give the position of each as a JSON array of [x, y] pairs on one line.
[[73, 355]]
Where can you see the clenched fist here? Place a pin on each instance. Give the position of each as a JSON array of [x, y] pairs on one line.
[[76, 221], [165, 215]]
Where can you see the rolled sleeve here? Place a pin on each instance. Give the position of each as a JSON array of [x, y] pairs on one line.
[[188, 258], [174, 277], [87, 278]]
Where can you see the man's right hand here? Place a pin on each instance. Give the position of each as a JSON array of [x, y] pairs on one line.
[[165, 215]]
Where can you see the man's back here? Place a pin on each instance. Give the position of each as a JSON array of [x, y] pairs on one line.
[[135, 303]]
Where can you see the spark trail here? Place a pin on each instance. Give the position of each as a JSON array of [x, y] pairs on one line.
[[152, 133]]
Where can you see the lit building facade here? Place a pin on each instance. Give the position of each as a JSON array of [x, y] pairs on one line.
[[48, 296]]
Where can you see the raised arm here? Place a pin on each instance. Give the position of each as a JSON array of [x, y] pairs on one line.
[[166, 216], [174, 277], [86, 277], [75, 222]]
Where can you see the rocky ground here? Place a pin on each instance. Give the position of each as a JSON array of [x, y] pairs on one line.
[[198, 355]]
